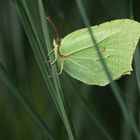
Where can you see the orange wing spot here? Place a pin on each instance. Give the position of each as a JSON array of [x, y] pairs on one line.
[[103, 49]]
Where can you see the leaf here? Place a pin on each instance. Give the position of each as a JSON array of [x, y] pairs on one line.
[[117, 41]]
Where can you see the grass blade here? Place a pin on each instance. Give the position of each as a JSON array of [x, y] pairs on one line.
[[36, 41], [126, 113], [20, 96]]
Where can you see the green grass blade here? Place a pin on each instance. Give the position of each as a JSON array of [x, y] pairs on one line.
[[137, 54], [126, 113], [17, 43], [20, 96], [95, 117], [35, 41], [91, 111], [137, 67], [53, 84], [59, 99], [136, 58]]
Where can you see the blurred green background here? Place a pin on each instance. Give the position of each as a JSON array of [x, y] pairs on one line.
[[93, 111]]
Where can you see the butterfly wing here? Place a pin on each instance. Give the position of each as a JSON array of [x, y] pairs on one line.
[[117, 41]]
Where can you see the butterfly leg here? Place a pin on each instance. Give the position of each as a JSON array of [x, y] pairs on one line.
[[54, 58], [50, 61], [50, 52], [61, 68]]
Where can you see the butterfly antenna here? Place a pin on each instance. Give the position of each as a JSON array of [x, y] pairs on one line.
[[57, 39]]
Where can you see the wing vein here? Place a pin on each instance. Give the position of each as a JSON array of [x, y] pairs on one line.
[[91, 73]]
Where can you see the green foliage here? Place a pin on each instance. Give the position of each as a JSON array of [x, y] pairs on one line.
[[35, 102]]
